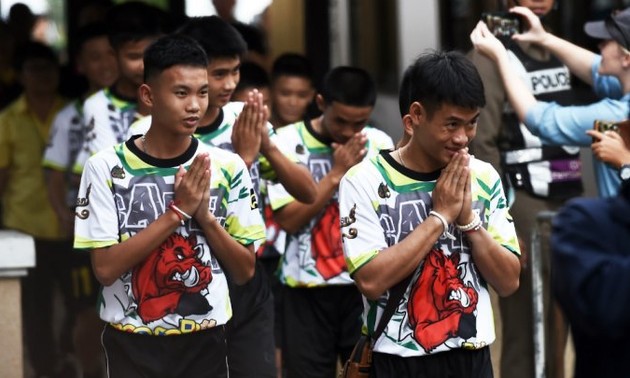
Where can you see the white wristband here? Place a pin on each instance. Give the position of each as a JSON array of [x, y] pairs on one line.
[[444, 224], [186, 216], [474, 225]]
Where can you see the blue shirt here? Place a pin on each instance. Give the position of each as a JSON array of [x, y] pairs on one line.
[[567, 125]]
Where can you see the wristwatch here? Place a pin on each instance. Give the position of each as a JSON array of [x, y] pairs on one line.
[[624, 172]]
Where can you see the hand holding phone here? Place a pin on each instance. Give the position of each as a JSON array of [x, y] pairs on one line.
[[503, 24]]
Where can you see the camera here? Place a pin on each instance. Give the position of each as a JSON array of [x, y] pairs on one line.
[[620, 127], [503, 24]]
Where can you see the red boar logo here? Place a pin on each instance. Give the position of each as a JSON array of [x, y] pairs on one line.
[[170, 280]]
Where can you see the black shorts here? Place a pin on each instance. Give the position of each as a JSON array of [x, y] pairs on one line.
[[270, 264], [250, 338], [195, 354], [322, 324], [461, 363]]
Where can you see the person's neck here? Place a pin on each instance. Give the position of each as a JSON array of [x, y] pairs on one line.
[[126, 89], [163, 146], [318, 126], [625, 82], [40, 104], [211, 115], [412, 159]]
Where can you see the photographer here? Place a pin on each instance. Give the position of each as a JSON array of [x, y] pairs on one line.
[[538, 177]]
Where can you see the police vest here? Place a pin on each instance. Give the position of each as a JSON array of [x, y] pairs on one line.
[[541, 170]]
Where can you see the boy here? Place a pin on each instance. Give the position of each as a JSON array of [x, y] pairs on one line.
[[96, 62], [241, 129], [292, 89], [320, 302], [163, 224], [24, 128], [108, 113], [431, 211], [252, 76]]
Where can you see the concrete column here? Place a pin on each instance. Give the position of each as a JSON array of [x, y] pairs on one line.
[[17, 253]]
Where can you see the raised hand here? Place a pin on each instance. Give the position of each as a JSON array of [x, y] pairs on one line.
[[246, 132], [350, 153], [451, 195], [486, 43], [191, 186], [609, 147], [535, 33]]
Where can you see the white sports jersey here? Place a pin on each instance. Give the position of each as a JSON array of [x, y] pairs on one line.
[[107, 119], [181, 286], [64, 142], [313, 255], [446, 305]]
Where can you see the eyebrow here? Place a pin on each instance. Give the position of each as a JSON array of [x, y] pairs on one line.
[[458, 119]]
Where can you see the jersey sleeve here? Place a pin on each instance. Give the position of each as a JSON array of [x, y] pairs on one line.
[[243, 220], [361, 231], [57, 153], [96, 219], [498, 219]]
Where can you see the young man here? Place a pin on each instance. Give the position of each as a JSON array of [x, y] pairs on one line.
[[431, 211], [252, 76], [243, 130], [107, 114], [292, 89], [24, 128], [320, 301], [538, 177], [164, 226], [96, 62]]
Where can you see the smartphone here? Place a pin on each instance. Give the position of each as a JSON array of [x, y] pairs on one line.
[[621, 127], [503, 24]]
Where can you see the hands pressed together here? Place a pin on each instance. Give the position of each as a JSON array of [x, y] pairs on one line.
[[250, 134], [192, 189], [346, 155], [452, 193]]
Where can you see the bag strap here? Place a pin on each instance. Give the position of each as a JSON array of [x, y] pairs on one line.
[[395, 294]]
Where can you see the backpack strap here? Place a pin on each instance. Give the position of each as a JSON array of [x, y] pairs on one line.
[[395, 295]]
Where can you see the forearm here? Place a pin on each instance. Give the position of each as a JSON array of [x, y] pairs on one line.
[[296, 215], [497, 265], [237, 259], [57, 190], [578, 59], [112, 262], [517, 92], [393, 264], [295, 178]]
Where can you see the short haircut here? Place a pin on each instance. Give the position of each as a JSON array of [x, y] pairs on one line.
[[437, 78], [133, 21], [218, 38], [252, 75], [292, 64], [349, 86], [88, 32], [172, 50], [33, 50]]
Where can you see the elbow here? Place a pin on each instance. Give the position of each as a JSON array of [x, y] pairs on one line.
[[104, 275], [245, 275], [287, 226], [508, 288], [371, 290]]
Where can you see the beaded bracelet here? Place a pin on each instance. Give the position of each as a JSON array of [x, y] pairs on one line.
[[444, 224], [474, 225]]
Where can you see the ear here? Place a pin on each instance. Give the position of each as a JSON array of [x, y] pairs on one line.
[[625, 60], [321, 104], [417, 113], [145, 95]]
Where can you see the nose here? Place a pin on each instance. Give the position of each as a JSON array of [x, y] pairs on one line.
[[193, 105], [460, 138], [231, 81]]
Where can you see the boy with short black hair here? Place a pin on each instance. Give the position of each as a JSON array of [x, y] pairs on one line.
[[243, 129], [431, 214], [164, 227], [320, 302], [107, 114], [292, 89]]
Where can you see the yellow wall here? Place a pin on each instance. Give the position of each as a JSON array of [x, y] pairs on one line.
[[286, 27]]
